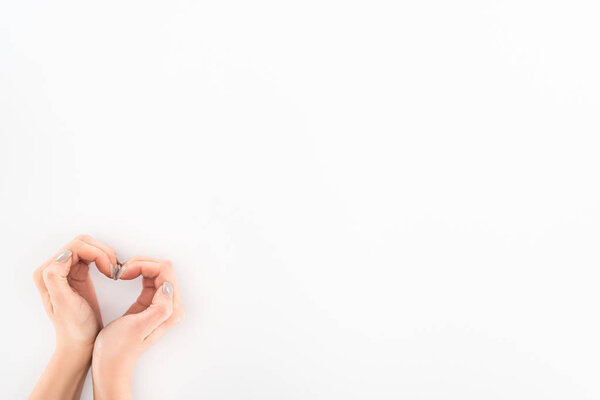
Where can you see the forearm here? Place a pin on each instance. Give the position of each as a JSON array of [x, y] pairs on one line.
[[64, 375]]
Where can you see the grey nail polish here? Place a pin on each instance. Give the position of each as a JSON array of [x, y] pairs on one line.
[[113, 271], [64, 256], [168, 289], [120, 272]]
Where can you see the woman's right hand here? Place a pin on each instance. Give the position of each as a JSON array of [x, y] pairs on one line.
[[120, 344]]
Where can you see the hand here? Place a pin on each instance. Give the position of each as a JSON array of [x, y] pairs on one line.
[[119, 345], [70, 301], [68, 293]]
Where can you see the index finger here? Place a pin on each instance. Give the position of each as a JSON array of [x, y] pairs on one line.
[[158, 272], [86, 253], [148, 267]]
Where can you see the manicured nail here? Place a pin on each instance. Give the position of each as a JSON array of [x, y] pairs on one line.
[[64, 256], [120, 272], [168, 289], [113, 271]]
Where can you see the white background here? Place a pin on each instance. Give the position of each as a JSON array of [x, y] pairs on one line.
[[362, 199]]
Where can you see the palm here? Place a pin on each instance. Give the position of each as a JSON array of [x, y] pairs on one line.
[[117, 329], [85, 310]]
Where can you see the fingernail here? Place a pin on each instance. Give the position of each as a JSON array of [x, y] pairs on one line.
[[168, 289], [113, 271], [120, 272], [64, 256]]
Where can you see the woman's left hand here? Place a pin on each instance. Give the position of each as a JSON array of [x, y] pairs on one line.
[[70, 301], [68, 294]]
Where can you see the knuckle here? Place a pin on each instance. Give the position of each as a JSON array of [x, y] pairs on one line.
[[83, 237], [48, 273], [163, 308]]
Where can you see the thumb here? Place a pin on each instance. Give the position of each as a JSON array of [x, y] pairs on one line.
[[55, 276], [159, 311]]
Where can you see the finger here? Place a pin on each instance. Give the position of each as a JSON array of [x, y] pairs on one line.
[[109, 251], [149, 289], [176, 317], [145, 298], [146, 266], [155, 273], [140, 304], [141, 258], [83, 251], [159, 311], [55, 277]]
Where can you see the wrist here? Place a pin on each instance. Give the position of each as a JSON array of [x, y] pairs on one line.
[[74, 354], [112, 381]]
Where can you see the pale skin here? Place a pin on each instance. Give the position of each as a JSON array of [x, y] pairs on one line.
[[82, 340]]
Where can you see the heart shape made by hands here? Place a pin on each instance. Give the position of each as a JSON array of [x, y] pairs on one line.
[[157, 274]]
